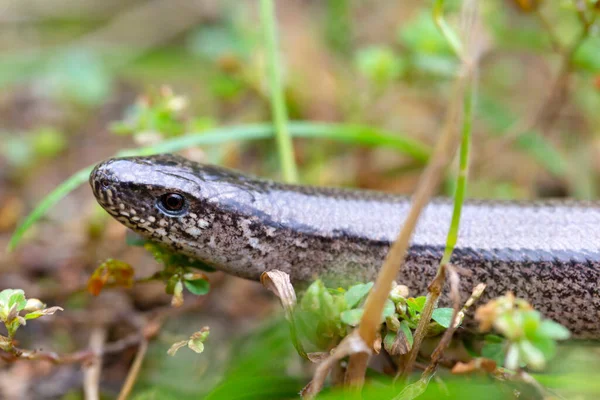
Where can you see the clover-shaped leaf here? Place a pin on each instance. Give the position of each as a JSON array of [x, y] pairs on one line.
[[195, 342]]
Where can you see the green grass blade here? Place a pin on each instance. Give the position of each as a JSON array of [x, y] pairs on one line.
[[463, 173], [353, 134], [363, 135], [50, 200], [285, 147]]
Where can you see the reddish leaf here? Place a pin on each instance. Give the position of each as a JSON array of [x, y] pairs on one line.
[[112, 271]]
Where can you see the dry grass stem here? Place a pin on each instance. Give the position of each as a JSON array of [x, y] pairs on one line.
[[454, 281], [351, 344], [91, 373], [471, 32], [134, 371]]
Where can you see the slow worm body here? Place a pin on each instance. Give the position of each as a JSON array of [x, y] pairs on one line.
[[546, 252]]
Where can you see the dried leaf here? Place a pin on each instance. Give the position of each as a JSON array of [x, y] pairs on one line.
[[475, 365], [399, 343], [6, 343], [399, 293], [279, 283], [377, 343], [177, 299], [176, 346], [41, 313], [317, 357], [118, 272]]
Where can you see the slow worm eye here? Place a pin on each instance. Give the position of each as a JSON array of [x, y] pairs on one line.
[[172, 203]]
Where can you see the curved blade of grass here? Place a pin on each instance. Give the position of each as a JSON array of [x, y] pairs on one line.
[[353, 134], [285, 148], [51, 199]]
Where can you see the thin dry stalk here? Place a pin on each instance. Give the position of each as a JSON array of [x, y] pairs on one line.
[[91, 374], [454, 281], [134, 371], [443, 154], [470, 60], [350, 345], [370, 322]]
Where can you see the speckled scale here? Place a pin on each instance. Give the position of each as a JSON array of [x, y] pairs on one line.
[[548, 252]]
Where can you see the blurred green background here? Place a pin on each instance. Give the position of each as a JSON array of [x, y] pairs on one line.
[[71, 77]]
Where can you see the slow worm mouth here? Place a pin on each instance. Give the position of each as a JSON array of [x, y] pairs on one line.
[[100, 181]]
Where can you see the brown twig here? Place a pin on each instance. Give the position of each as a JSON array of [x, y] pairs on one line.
[[91, 374], [454, 281], [146, 331], [468, 77], [443, 154], [351, 344], [134, 371]]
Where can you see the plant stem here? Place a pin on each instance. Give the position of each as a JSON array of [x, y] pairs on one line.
[[435, 289], [437, 285], [278, 107], [463, 173], [445, 29], [443, 154]]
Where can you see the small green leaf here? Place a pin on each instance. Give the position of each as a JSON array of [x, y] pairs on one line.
[[531, 355], [198, 287], [546, 345], [399, 294], [196, 345], [512, 357], [553, 330], [389, 309], [531, 322], [177, 299], [415, 305], [388, 341], [310, 300], [196, 341], [17, 300], [41, 313], [407, 332], [357, 293], [493, 350], [393, 323], [352, 317], [443, 316], [380, 64]]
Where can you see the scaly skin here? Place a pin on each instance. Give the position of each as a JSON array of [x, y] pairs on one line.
[[546, 252]]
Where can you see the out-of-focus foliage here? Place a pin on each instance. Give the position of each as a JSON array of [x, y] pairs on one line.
[[16, 310], [531, 339], [326, 315], [373, 66]]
